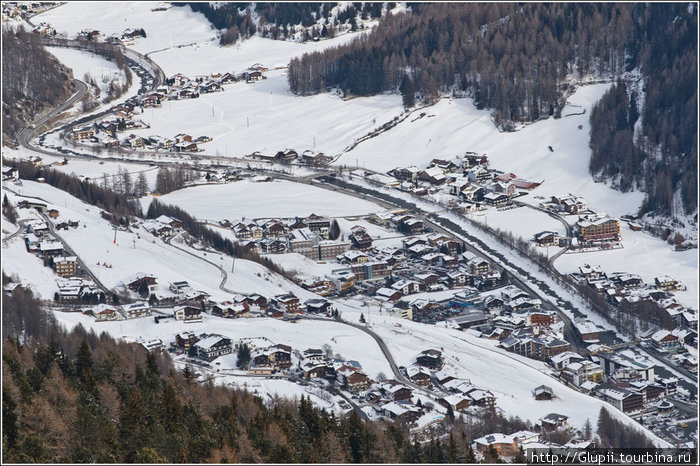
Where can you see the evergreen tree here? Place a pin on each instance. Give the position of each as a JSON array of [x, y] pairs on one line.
[[519, 456], [470, 457], [9, 419], [408, 92], [491, 455], [83, 361], [334, 231], [243, 356]]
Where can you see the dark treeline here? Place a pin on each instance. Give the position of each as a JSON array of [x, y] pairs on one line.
[[211, 237], [509, 57], [80, 397], [118, 205], [170, 180], [32, 80], [615, 434], [661, 159]]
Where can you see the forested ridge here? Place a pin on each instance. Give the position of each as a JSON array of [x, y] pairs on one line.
[[32, 80], [660, 156], [516, 59], [509, 57]]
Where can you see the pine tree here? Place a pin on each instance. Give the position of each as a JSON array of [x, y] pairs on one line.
[[141, 185], [519, 456], [587, 429], [243, 356], [470, 457], [408, 92], [491, 455], [83, 360], [334, 231], [452, 450]]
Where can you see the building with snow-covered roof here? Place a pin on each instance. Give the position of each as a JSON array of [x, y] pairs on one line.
[[135, 310], [553, 421], [65, 266], [213, 346], [665, 341], [598, 227], [188, 313], [106, 312], [430, 358], [505, 445]]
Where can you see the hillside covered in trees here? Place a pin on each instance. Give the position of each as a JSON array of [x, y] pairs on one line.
[[32, 80], [516, 59], [659, 155]]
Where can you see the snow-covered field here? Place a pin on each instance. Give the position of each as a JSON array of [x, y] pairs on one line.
[[522, 221], [261, 200], [164, 29], [265, 116]]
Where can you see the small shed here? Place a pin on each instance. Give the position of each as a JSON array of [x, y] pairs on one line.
[[543, 392]]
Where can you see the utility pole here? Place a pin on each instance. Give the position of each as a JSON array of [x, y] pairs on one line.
[[233, 264]]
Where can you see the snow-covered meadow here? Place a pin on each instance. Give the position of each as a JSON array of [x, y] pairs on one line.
[[170, 28], [277, 198]]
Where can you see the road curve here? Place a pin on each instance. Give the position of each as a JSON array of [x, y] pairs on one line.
[[26, 134]]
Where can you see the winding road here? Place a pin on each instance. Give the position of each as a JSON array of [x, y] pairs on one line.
[[26, 134]]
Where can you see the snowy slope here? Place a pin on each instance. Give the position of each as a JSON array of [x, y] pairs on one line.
[[265, 116], [457, 126], [164, 29], [209, 57], [139, 251], [258, 200]]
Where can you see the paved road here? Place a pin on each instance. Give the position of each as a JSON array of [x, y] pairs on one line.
[[385, 351], [20, 229], [224, 274], [25, 135], [556, 217]]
